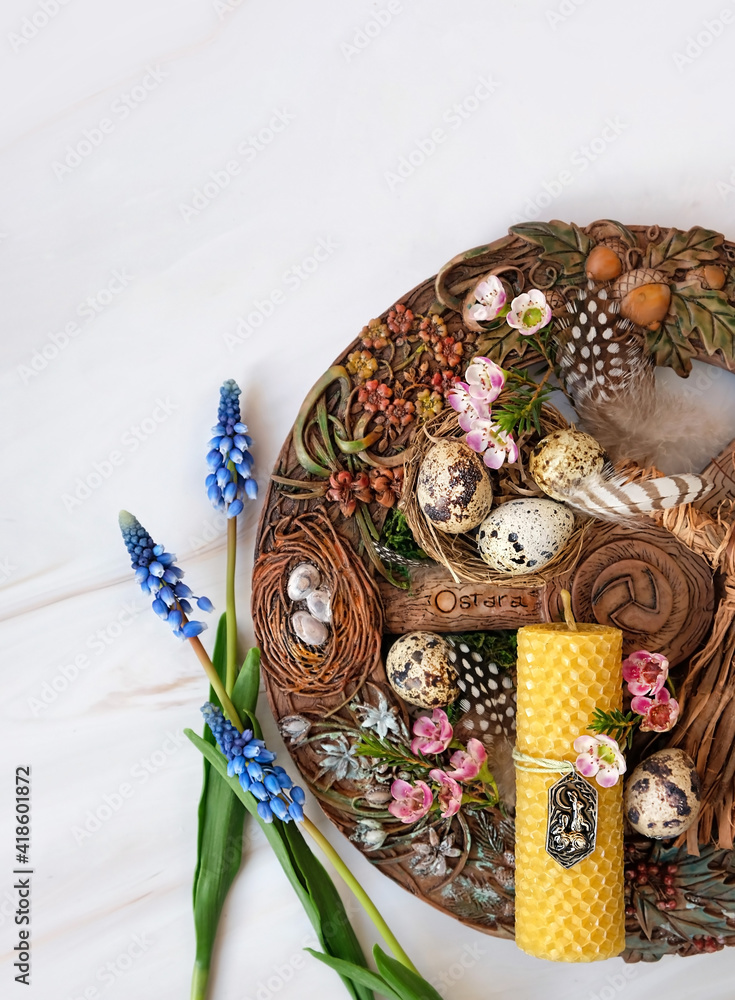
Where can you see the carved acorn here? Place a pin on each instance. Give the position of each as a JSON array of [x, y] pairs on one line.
[[647, 305], [710, 276], [603, 264]]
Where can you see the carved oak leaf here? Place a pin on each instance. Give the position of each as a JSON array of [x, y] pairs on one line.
[[498, 344], [562, 243], [707, 312], [670, 347], [683, 250]]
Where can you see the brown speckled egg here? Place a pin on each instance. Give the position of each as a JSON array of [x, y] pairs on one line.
[[419, 670], [662, 795], [453, 487], [562, 459]]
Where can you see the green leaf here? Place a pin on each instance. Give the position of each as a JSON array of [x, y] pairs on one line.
[[707, 312], [247, 684], [407, 983], [219, 840], [563, 244], [358, 973], [336, 933], [683, 250], [312, 884], [670, 347]]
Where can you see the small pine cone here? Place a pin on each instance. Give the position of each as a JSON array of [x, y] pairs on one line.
[[629, 280]]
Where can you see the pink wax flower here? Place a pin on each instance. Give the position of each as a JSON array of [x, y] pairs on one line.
[[529, 312], [659, 713], [645, 672], [469, 409], [432, 735], [599, 757], [485, 379], [491, 298], [494, 445], [411, 802], [450, 793], [468, 763]]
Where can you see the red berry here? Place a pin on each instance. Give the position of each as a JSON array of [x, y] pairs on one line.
[[654, 869]]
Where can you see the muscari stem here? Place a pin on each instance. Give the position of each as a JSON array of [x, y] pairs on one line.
[[231, 616], [199, 980], [214, 679], [360, 894]]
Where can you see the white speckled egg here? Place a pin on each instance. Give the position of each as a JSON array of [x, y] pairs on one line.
[[562, 459], [662, 796], [453, 487], [419, 670], [523, 535]]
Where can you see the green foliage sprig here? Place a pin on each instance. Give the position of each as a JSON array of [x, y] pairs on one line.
[[620, 726], [519, 408]]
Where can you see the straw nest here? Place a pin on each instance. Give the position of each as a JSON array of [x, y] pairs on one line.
[[352, 650], [458, 553]]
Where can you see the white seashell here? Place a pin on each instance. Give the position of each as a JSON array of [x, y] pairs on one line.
[[308, 629], [302, 581], [319, 603]]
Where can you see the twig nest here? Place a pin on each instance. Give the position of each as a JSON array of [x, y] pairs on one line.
[[308, 629], [302, 580], [662, 796], [647, 305], [522, 536], [420, 671], [453, 487], [564, 458], [603, 264]]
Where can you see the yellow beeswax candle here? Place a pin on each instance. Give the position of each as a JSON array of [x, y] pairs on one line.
[[571, 914]]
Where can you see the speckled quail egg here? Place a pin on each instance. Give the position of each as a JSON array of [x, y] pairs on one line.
[[562, 459], [453, 487], [523, 535], [662, 795], [419, 670]]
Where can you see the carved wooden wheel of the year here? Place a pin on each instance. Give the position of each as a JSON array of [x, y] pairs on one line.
[[338, 478]]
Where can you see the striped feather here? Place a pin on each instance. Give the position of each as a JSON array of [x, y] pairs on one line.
[[608, 495]]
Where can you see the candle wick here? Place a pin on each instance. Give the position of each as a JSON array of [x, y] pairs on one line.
[[566, 600]]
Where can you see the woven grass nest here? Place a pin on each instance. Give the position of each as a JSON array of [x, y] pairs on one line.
[[458, 553], [353, 457]]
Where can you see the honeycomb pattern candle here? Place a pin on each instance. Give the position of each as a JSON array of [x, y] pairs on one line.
[[573, 914]]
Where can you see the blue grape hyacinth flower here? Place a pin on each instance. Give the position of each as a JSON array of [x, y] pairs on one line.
[[158, 576], [251, 761], [230, 481]]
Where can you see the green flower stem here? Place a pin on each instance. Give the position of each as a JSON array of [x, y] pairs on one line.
[[214, 679], [360, 894], [231, 619], [199, 982]]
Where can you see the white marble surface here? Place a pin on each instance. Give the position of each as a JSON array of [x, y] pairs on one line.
[[121, 312]]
